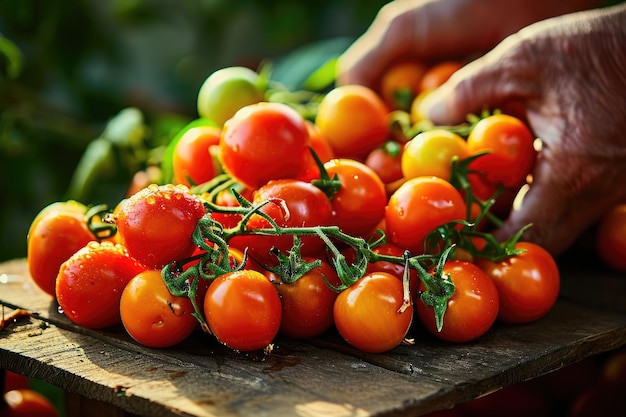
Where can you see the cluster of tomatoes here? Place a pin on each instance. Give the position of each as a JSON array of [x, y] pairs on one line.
[[268, 223]]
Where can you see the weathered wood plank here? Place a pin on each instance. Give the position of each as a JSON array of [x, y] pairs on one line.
[[200, 378], [320, 377]]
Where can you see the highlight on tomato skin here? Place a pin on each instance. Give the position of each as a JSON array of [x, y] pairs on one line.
[[26, 402]]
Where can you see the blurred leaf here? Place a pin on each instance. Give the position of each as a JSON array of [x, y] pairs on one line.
[[127, 128], [13, 55], [97, 161], [296, 69], [323, 78]]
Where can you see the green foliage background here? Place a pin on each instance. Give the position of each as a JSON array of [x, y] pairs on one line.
[[77, 64]]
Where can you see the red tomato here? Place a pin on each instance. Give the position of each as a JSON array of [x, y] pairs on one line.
[[511, 151], [308, 302], [263, 142], [419, 206], [27, 403], [322, 149], [90, 284], [152, 315], [59, 230], [192, 160], [528, 283], [353, 118], [14, 381], [360, 203], [401, 83], [367, 313], [243, 310], [611, 238], [471, 311], [438, 74], [386, 161], [156, 224], [307, 206]]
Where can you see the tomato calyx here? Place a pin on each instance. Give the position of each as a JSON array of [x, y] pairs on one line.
[[469, 234], [330, 186], [100, 222], [292, 266], [438, 289]]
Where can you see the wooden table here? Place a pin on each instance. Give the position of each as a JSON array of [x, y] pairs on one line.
[[322, 377]]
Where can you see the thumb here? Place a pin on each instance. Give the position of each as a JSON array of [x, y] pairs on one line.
[[504, 74]]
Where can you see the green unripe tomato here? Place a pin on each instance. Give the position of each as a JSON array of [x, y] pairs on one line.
[[227, 90]]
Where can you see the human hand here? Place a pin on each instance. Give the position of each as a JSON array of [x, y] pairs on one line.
[[435, 30], [569, 73]]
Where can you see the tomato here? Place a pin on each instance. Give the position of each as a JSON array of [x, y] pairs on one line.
[[307, 206], [227, 90], [419, 206], [27, 403], [614, 367], [431, 153], [511, 151], [308, 302], [90, 284], [471, 311], [386, 161], [437, 74], [322, 149], [401, 83], [359, 205], [353, 118], [602, 399], [263, 142], [156, 224], [528, 283], [58, 230], [243, 310], [13, 381], [610, 240], [367, 313], [152, 315], [193, 161]]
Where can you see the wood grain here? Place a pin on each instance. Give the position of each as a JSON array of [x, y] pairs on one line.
[[321, 377]]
